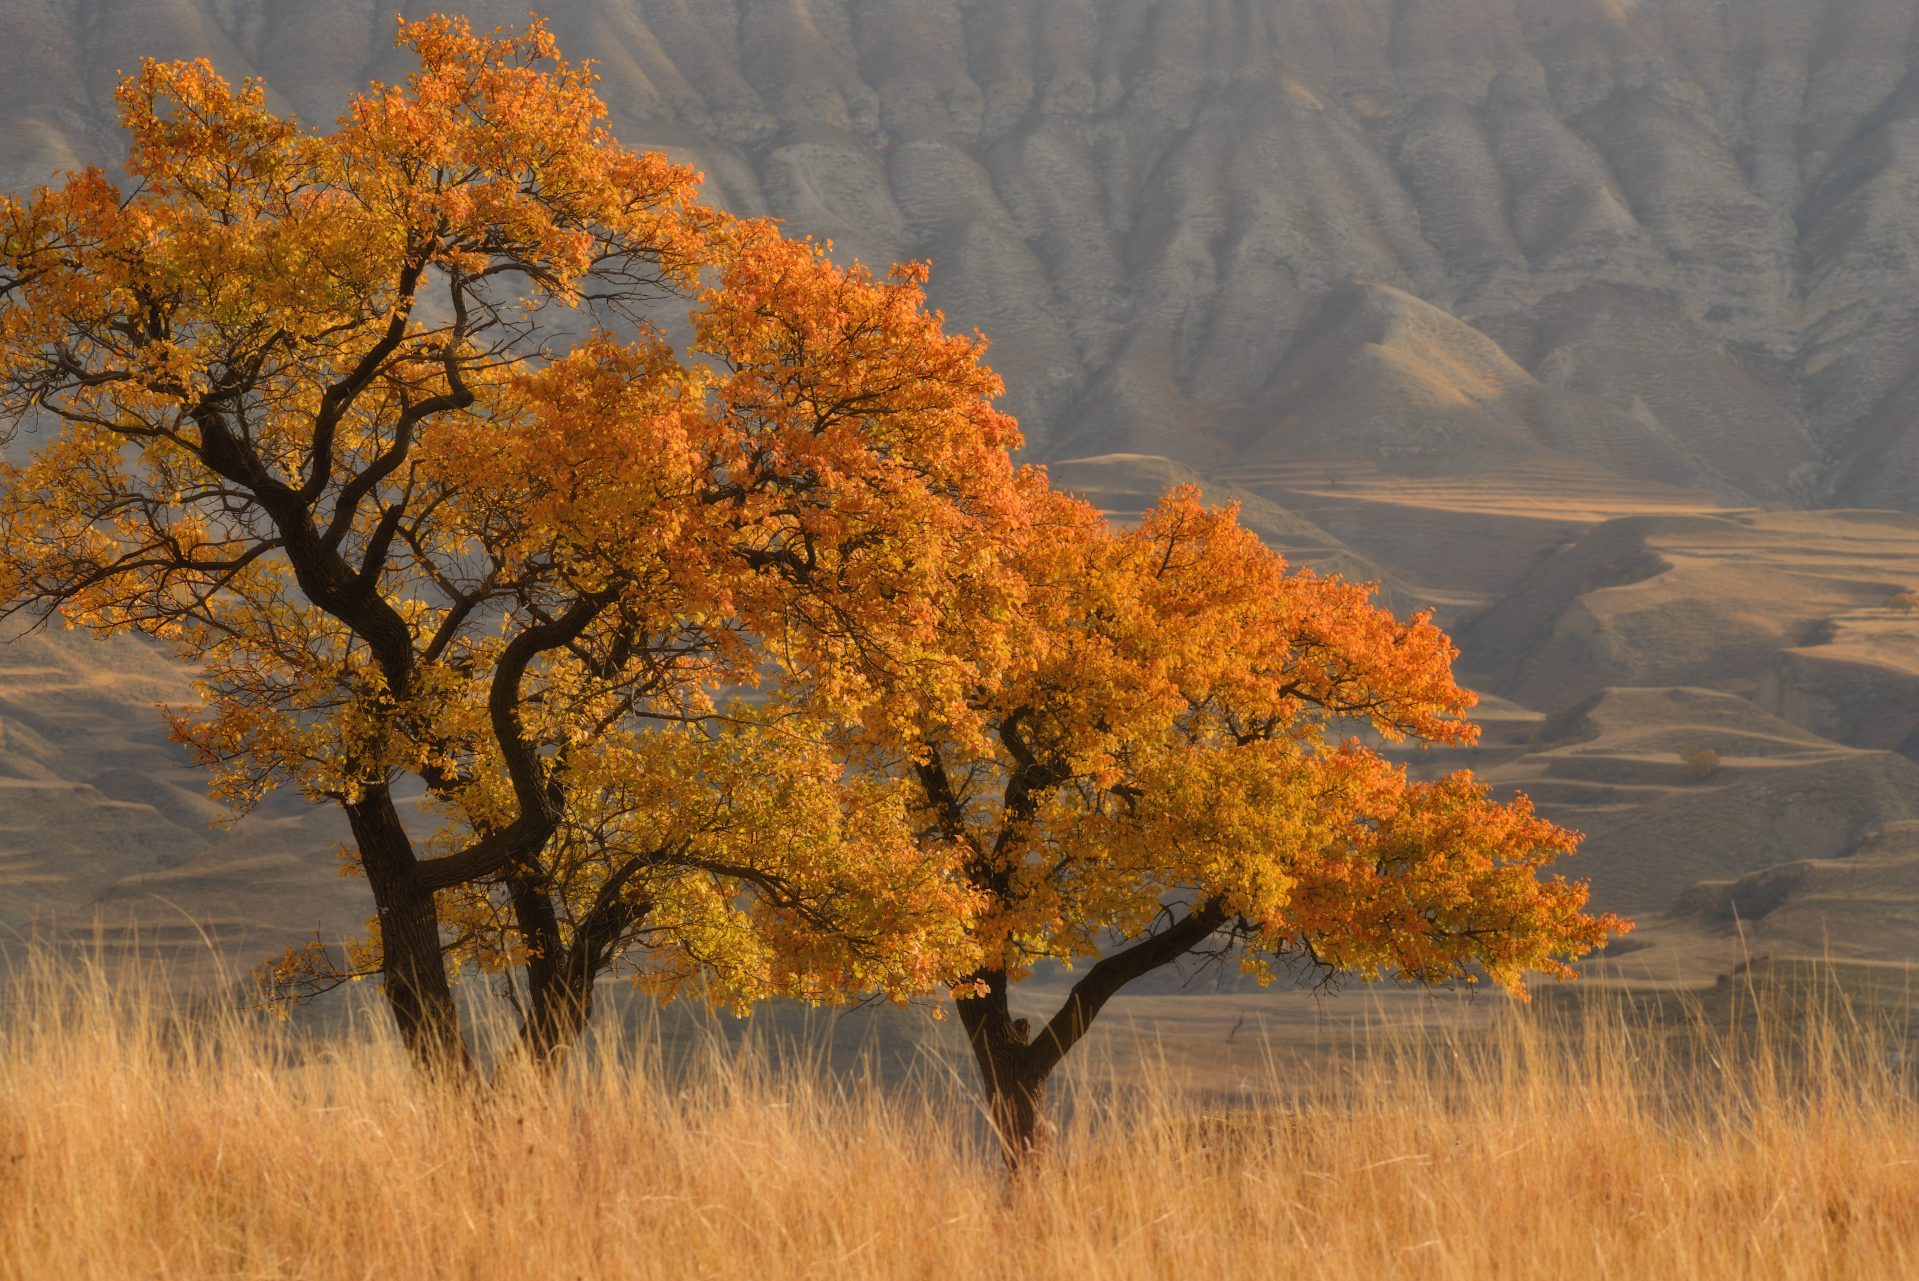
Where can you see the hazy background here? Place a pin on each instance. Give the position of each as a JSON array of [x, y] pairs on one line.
[[1589, 323]]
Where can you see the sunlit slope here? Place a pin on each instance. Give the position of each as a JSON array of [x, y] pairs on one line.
[[1392, 384], [107, 833], [1855, 679], [1617, 769], [1706, 599]]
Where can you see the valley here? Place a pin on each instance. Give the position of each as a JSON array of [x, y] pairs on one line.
[[1591, 325]]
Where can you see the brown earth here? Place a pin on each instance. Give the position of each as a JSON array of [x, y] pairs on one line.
[[108, 839]]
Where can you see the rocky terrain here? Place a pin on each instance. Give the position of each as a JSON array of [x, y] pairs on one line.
[[1591, 324], [1672, 239], [1669, 238]]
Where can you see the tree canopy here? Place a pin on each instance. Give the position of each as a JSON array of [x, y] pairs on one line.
[[375, 425], [736, 652], [1171, 772]]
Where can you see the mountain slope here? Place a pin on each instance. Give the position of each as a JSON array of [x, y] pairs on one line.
[[1525, 307], [1698, 218]]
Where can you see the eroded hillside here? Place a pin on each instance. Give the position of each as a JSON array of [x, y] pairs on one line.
[[1669, 238], [1545, 313]]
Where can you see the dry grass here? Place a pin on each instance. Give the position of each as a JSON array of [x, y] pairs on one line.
[[134, 1144]]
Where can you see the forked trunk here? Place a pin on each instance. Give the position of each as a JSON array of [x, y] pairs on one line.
[[412, 966], [1014, 1064], [560, 977], [549, 1030], [559, 1004], [1013, 1075]]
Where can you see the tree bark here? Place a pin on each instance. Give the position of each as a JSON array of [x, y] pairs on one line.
[[1015, 1081], [412, 965], [1014, 1066], [559, 1013], [560, 978], [555, 1014]]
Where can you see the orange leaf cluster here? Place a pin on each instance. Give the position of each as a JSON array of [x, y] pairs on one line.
[[746, 659], [1177, 732]]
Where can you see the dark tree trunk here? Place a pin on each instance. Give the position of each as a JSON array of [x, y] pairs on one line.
[[1017, 1102], [560, 978], [1014, 1065], [555, 1012], [413, 967], [1012, 1074], [559, 1014]]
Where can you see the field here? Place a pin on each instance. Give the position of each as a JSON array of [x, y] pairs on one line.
[[1765, 1128]]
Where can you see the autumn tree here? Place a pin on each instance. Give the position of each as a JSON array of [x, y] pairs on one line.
[[748, 660], [373, 426], [1170, 775]]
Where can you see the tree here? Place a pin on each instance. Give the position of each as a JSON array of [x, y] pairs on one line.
[[1163, 781], [748, 660], [373, 426]]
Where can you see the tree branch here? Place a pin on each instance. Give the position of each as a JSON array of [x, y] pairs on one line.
[[1091, 993]]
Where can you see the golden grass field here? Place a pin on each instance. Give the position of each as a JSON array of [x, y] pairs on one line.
[[1565, 1141]]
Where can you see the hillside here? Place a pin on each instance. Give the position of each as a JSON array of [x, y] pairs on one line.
[[1670, 238], [1588, 323]]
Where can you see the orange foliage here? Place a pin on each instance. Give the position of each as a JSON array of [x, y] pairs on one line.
[[1172, 777], [374, 426], [753, 663]]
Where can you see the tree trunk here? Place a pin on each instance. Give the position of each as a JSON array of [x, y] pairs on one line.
[[1013, 1075], [558, 998], [1014, 1064], [558, 1014], [560, 978], [412, 965], [1016, 1100]]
